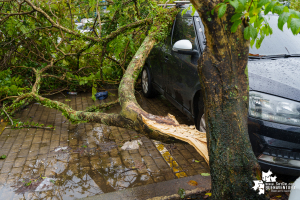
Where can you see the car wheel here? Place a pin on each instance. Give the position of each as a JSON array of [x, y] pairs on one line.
[[147, 87], [201, 123]]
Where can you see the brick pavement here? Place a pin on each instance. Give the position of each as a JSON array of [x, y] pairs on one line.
[[92, 161]]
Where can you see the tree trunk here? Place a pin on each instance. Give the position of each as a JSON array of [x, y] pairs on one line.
[[222, 75]]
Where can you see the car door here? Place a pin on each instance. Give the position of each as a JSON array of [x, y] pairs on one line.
[[155, 63], [180, 75]]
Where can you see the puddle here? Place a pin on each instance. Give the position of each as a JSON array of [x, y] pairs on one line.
[[99, 164]]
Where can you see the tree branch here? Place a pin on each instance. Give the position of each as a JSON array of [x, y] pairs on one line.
[[11, 121]]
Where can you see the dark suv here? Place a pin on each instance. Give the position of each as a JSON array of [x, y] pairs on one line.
[[274, 79]]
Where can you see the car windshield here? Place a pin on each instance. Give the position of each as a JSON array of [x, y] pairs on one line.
[[280, 42]]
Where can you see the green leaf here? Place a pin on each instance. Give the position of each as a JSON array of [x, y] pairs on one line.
[[259, 41], [184, 11], [295, 26], [243, 2], [222, 10], [181, 193], [205, 174], [235, 25], [262, 3], [236, 16], [197, 161], [269, 7], [282, 19], [278, 9], [193, 11], [3, 157], [252, 43], [247, 33], [253, 32], [234, 3]]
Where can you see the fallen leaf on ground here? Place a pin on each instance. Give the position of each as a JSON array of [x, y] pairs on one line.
[[197, 161], [209, 194], [192, 183], [205, 174], [1, 120], [3, 157]]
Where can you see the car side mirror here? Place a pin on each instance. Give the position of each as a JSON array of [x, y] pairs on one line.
[[184, 47]]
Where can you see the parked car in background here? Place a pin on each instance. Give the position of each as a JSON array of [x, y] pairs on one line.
[[274, 97], [87, 20], [84, 27]]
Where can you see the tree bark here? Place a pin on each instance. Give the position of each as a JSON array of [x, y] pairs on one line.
[[222, 75]]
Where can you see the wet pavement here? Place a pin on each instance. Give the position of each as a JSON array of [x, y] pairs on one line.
[[76, 161]]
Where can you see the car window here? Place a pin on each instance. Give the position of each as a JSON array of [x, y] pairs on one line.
[[280, 42], [184, 29]]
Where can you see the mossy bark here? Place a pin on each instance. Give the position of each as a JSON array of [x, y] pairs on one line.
[[225, 92]]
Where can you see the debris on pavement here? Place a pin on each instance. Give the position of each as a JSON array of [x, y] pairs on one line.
[[72, 93], [101, 95], [130, 145], [46, 184]]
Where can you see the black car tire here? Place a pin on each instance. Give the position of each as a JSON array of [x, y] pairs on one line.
[[147, 87], [201, 126]]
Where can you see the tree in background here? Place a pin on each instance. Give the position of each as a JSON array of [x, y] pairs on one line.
[[295, 4]]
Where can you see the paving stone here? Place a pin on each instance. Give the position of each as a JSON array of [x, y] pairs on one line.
[[113, 152], [3, 178], [16, 171], [143, 151], [169, 176], [44, 150], [32, 155], [190, 171], [197, 165], [148, 160], [11, 157], [159, 178], [161, 163], [15, 148], [23, 153], [186, 154], [37, 139], [19, 162], [154, 153], [50, 173], [84, 162], [6, 167], [55, 137]]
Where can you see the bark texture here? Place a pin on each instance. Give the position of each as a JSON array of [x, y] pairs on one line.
[[225, 91]]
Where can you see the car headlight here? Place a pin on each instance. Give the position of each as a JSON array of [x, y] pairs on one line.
[[275, 109]]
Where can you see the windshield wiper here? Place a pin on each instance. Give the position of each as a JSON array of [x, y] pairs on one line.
[[257, 56]]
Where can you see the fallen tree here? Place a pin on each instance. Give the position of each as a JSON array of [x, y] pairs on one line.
[[132, 115]]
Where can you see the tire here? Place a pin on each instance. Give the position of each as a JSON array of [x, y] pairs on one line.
[[201, 126], [147, 87]]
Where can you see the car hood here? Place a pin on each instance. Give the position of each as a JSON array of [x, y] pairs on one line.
[[278, 77]]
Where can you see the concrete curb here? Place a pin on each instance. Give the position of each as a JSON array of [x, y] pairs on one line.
[[158, 191]]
